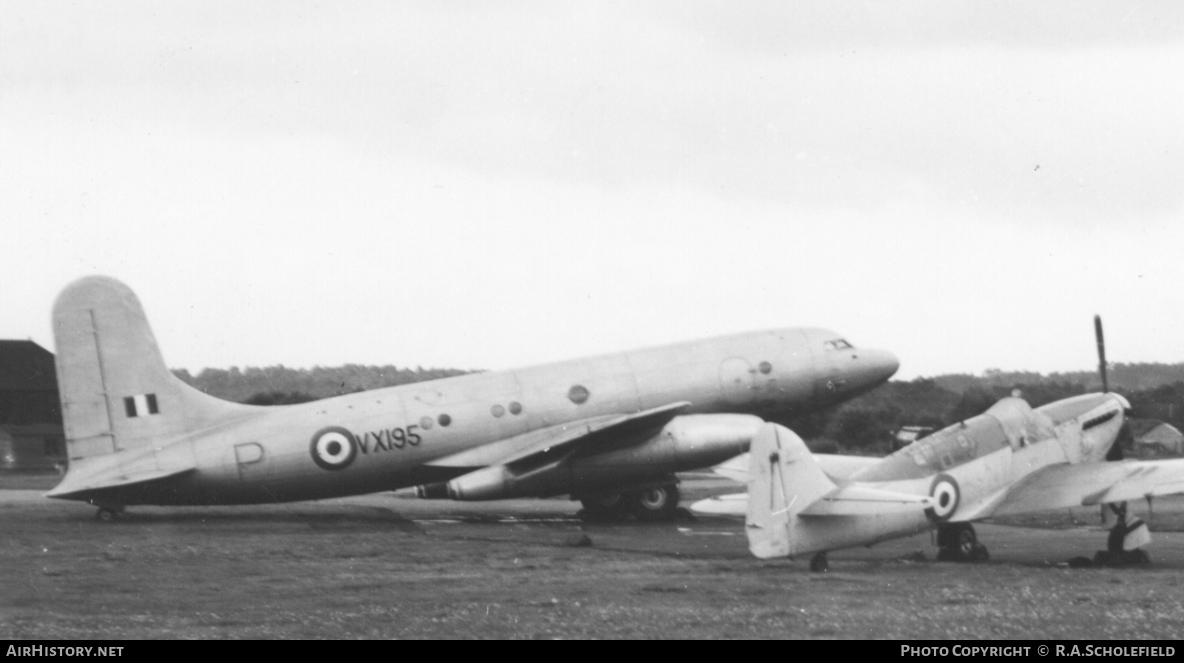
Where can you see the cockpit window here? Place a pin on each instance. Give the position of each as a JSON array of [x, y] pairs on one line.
[[837, 344]]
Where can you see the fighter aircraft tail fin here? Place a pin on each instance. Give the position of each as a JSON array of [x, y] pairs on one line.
[[784, 479], [116, 391]]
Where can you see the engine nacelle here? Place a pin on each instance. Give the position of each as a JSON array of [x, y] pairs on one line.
[[488, 483], [687, 442]]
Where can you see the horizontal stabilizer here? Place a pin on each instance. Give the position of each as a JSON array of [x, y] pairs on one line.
[[734, 504], [860, 500], [849, 500], [73, 489], [735, 468]]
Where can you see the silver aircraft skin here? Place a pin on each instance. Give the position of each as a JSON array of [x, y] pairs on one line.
[[1011, 459], [610, 430]]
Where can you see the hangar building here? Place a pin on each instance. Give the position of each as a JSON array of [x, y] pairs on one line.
[[31, 436]]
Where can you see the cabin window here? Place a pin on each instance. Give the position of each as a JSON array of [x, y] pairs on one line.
[[515, 407], [425, 423], [497, 410], [765, 367], [444, 420], [578, 394]]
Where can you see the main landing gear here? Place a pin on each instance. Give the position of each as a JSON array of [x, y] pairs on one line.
[[654, 504], [1124, 544], [957, 542], [819, 563]]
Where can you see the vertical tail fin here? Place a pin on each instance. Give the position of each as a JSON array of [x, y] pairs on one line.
[[116, 391], [783, 480]]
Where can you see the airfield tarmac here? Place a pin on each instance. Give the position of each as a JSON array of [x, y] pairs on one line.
[[382, 566]]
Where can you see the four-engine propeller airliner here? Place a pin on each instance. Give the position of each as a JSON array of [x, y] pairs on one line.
[[609, 430], [1011, 459]]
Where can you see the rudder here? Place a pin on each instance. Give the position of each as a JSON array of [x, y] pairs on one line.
[[116, 392], [783, 480]]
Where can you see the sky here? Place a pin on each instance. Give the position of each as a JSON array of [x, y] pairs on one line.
[[497, 184]]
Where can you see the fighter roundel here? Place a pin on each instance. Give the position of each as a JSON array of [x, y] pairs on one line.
[[333, 448], [946, 495]]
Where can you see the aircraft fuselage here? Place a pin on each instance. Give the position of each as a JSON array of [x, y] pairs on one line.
[[389, 438]]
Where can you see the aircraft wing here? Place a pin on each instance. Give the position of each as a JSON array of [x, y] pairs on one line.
[[543, 445], [1084, 484]]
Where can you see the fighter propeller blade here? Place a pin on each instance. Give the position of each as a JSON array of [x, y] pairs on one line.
[[1101, 352], [1124, 434]]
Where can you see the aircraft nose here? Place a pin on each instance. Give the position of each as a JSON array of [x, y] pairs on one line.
[[871, 368], [881, 364]]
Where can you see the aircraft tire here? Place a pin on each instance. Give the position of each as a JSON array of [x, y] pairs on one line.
[[605, 507], [656, 504], [958, 542], [106, 515], [819, 563]]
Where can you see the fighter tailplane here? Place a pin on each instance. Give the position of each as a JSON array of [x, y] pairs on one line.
[[610, 430], [1011, 459]]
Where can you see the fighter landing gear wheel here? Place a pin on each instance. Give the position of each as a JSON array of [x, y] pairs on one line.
[[605, 507], [957, 542], [819, 563], [656, 504], [1116, 553]]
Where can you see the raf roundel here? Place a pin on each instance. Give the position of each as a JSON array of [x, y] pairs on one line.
[[946, 495], [333, 448]]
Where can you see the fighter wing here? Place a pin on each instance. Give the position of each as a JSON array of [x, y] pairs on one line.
[[1084, 484]]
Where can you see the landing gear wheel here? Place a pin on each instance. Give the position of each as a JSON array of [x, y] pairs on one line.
[[957, 542], [1136, 557], [1125, 531], [605, 507], [656, 504], [819, 563], [107, 514]]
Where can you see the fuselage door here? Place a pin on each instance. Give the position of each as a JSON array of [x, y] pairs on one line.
[[829, 379], [736, 380]]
